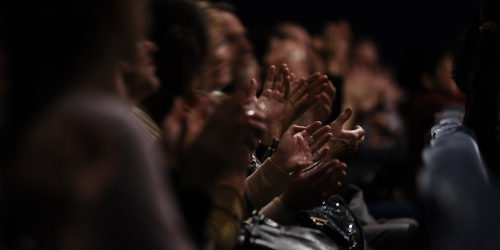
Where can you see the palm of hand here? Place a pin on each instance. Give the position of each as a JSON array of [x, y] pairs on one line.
[[294, 152], [272, 103]]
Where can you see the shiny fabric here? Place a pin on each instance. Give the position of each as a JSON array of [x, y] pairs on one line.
[[264, 233], [337, 221]]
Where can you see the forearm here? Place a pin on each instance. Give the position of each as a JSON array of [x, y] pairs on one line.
[[276, 211], [268, 182]]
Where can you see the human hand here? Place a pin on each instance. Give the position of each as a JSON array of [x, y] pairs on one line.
[[273, 99], [319, 106], [220, 152], [298, 146], [306, 191], [344, 142], [305, 93], [183, 124], [323, 107]]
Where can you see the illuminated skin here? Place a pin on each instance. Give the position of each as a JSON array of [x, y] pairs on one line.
[[218, 71], [240, 48]]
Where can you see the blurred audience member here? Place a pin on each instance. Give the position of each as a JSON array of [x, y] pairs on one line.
[[475, 73], [79, 173], [426, 73]]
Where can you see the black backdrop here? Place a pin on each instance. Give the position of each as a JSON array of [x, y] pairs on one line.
[[395, 25]]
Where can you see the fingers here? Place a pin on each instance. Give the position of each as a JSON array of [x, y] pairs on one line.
[[337, 175], [313, 77], [297, 173], [318, 81], [268, 83], [318, 90], [292, 77], [331, 90], [343, 118], [311, 128], [253, 88], [332, 173], [359, 131], [321, 142], [320, 154], [287, 86], [281, 86], [320, 175], [299, 90], [296, 129], [318, 134], [325, 99], [256, 126], [279, 77]]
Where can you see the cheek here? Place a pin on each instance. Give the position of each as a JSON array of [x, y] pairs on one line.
[[223, 54]]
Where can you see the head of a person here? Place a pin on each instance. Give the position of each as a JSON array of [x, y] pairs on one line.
[[55, 46], [179, 29], [217, 69], [466, 58], [243, 62], [364, 53], [138, 76], [290, 43], [428, 67]]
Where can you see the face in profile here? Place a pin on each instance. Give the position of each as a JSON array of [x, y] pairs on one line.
[[218, 72], [140, 75], [444, 79], [240, 49]]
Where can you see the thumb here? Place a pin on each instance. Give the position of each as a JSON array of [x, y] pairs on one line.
[[297, 173], [344, 117]]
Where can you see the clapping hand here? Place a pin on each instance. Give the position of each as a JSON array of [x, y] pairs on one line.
[[301, 146], [344, 142], [272, 101]]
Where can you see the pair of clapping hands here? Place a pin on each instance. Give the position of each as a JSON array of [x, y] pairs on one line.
[[284, 102], [285, 99], [214, 145]]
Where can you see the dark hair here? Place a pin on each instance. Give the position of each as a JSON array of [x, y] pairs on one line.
[[278, 32], [419, 60], [223, 6], [483, 102], [179, 30], [481, 80], [465, 58]]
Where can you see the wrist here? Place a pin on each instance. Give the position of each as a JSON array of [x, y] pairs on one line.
[[279, 162]]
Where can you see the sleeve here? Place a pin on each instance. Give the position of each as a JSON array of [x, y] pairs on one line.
[[277, 212], [268, 182], [225, 217]]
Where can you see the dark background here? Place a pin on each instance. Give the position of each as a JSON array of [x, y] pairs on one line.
[[395, 25]]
